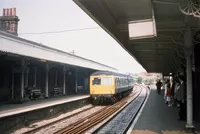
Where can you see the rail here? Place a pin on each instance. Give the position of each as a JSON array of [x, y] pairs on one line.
[[86, 123]]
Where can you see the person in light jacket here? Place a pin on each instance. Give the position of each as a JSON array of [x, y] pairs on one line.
[[165, 91]]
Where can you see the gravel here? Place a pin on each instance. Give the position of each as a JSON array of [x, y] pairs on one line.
[[123, 119], [60, 125]]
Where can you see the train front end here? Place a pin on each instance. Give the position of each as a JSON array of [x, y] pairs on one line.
[[102, 88]]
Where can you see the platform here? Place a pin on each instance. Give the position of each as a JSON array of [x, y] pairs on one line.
[[157, 118], [13, 109]]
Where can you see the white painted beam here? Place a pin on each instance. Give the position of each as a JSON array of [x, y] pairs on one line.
[[12, 44]]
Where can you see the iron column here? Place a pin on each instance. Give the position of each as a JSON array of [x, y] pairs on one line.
[[188, 51], [56, 78], [64, 71], [22, 78], [12, 86], [76, 81], [35, 77], [26, 77], [47, 81]]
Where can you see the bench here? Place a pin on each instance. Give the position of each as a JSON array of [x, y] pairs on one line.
[[34, 93], [58, 91], [80, 89]]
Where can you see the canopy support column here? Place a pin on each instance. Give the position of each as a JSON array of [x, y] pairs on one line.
[[76, 86], [22, 78], [47, 81], [189, 51], [64, 86], [35, 77]]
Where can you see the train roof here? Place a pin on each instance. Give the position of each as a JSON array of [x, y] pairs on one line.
[[108, 73]]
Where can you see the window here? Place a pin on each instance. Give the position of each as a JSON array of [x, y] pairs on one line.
[[106, 81], [117, 82], [96, 81]]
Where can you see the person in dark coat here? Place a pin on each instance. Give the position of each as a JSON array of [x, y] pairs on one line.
[[181, 98], [159, 85]]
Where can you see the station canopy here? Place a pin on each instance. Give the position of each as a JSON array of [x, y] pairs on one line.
[[152, 31]]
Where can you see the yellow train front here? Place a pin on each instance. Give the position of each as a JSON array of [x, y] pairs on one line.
[[109, 86]]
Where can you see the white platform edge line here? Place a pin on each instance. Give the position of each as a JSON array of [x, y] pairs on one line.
[[39, 107], [138, 115]]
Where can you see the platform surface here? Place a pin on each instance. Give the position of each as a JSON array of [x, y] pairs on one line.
[[12, 109], [157, 118]]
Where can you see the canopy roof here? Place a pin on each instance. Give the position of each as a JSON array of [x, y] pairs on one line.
[[163, 53]]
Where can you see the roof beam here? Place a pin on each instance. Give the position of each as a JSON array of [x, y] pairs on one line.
[[154, 50], [147, 42], [167, 29], [19, 46], [173, 2]]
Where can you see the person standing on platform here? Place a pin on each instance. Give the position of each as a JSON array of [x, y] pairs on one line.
[[159, 85], [165, 91], [169, 95], [176, 87], [172, 91], [181, 98]]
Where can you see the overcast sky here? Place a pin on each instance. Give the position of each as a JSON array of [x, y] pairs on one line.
[[57, 15]]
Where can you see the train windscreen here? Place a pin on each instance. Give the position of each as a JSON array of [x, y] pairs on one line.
[[96, 81], [105, 81]]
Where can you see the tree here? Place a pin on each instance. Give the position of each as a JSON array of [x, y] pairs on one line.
[[139, 80], [146, 81], [150, 81]]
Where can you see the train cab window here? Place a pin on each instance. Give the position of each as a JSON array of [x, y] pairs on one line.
[[96, 81]]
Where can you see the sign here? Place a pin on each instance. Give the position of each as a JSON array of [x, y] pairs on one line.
[[142, 29]]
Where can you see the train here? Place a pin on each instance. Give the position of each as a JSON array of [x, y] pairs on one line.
[[106, 86]]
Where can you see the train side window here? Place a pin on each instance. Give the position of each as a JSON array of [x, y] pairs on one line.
[[96, 81], [118, 82]]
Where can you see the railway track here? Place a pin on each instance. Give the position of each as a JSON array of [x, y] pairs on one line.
[[54, 122], [87, 123], [98, 119], [121, 122]]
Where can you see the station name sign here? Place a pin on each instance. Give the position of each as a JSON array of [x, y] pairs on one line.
[[140, 29]]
